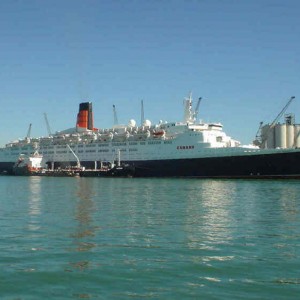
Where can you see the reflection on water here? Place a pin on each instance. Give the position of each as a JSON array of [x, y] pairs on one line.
[[172, 238], [85, 207], [34, 201], [209, 213], [85, 230], [83, 214], [289, 198]]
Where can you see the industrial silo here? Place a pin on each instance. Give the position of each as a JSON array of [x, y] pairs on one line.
[[297, 136], [290, 136], [280, 136], [268, 135]]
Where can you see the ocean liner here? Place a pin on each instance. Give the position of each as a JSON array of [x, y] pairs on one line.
[[188, 148]]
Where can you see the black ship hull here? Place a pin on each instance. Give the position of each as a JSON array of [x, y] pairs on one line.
[[279, 165], [7, 168], [273, 165], [121, 171]]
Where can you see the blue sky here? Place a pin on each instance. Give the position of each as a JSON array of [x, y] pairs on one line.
[[241, 57]]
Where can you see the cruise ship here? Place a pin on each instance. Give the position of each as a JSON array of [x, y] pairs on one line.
[[188, 148]]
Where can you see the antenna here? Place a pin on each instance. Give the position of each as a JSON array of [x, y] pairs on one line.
[[47, 124], [188, 113], [142, 113], [115, 116]]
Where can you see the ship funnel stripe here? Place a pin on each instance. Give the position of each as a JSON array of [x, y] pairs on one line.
[[85, 116], [84, 106]]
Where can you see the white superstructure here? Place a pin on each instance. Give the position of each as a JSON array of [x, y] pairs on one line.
[[173, 140]]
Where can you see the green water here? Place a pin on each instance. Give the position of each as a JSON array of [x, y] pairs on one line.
[[102, 238]]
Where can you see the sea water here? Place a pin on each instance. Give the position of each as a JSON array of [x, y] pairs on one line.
[[125, 238]]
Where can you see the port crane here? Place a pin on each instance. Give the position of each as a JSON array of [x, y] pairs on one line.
[[78, 165], [197, 108], [29, 131], [47, 124], [261, 140], [258, 137]]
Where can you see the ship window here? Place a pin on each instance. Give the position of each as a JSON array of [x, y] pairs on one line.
[[219, 139], [154, 143]]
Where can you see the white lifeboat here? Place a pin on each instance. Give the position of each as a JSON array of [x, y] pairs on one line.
[[141, 135], [158, 133], [106, 137], [121, 136]]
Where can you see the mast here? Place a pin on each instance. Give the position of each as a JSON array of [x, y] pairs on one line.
[[188, 114], [142, 113], [116, 122]]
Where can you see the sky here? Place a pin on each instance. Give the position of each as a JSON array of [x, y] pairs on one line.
[[240, 56]]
